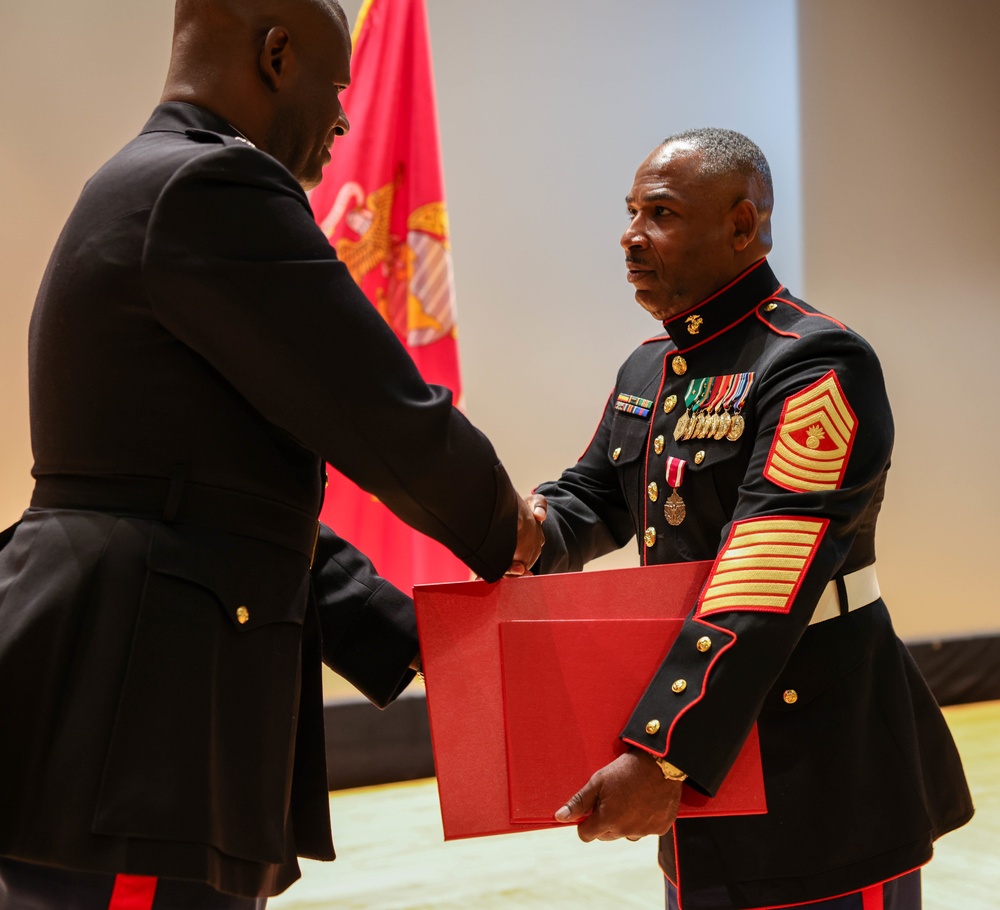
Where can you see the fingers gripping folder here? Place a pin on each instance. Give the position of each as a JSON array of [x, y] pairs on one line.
[[530, 681]]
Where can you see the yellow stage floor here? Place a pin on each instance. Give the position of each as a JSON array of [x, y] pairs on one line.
[[392, 855]]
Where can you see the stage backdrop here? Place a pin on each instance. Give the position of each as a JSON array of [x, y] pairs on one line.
[[880, 123]]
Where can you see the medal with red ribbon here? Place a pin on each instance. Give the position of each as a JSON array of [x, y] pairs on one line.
[[674, 509]]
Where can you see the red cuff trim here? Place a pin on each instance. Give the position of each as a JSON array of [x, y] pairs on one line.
[[704, 684]]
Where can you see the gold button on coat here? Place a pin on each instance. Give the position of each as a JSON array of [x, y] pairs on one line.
[[654, 491], [242, 615], [653, 727], [669, 403], [790, 696], [680, 365], [617, 453], [771, 307], [658, 445], [704, 644], [699, 457], [649, 537], [679, 685]]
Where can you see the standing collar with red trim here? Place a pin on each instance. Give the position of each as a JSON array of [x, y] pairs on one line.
[[724, 309]]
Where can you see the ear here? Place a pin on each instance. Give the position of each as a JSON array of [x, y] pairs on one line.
[[274, 59], [745, 220]]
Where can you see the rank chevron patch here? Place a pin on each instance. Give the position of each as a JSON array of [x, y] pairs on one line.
[[814, 438], [762, 564]]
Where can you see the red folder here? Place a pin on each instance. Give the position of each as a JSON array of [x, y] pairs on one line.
[[530, 681]]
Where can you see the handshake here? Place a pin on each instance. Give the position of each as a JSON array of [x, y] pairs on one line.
[[530, 537]]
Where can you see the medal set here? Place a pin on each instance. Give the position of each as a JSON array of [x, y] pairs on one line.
[[712, 408]]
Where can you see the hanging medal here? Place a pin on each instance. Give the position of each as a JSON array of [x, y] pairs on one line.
[[739, 399], [712, 408], [674, 509], [680, 428], [725, 418], [697, 420]]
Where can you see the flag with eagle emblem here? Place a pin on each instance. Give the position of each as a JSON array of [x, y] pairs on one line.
[[381, 203]]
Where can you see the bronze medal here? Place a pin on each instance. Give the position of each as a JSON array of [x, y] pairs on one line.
[[682, 425], [723, 426], [674, 509], [692, 426], [736, 428]]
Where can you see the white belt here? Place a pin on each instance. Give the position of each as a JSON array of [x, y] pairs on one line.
[[862, 589]]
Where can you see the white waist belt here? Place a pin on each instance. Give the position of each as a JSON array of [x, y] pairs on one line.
[[862, 589]]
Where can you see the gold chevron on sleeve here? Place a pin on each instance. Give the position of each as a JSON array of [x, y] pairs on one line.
[[762, 564], [814, 438]]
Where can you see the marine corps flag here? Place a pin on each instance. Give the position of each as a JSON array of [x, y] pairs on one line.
[[381, 203]]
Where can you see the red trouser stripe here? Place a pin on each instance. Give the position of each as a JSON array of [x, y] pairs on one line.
[[135, 892], [871, 898]]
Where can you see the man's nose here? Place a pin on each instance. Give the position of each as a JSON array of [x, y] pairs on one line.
[[343, 125], [633, 237]]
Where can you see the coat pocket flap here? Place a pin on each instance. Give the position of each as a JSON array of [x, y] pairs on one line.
[[627, 438], [255, 582]]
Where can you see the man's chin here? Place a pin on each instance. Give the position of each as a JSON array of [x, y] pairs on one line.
[[653, 307], [310, 180]]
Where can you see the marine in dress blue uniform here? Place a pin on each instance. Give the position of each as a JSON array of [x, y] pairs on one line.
[[756, 433], [197, 353]]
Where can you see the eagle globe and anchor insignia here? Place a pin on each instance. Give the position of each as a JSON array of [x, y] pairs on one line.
[[408, 279]]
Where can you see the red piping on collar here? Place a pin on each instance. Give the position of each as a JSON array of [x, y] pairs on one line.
[[721, 331], [712, 297]]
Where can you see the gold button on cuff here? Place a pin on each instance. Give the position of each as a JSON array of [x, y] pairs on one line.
[[242, 615], [790, 696], [704, 644], [771, 307], [679, 686], [679, 365], [654, 491], [653, 727], [616, 454], [658, 445], [669, 403], [699, 457], [649, 537]]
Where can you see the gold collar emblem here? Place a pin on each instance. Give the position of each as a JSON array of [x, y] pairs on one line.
[[694, 323]]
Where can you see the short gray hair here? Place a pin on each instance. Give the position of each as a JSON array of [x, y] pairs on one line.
[[728, 152]]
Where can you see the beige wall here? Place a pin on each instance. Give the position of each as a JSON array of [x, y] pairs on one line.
[[546, 108], [901, 166]]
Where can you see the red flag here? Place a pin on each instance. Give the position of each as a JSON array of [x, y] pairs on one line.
[[381, 203]]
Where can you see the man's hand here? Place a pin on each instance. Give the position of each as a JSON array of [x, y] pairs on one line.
[[627, 798], [530, 537]]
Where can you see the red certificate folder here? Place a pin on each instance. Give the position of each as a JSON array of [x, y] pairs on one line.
[[530, 681]]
